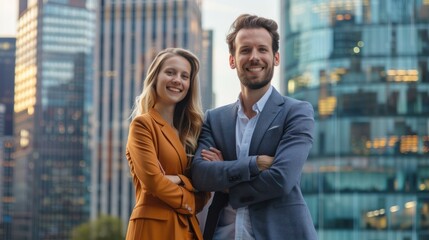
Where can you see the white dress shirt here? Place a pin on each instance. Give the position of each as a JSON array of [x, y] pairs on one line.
[[235, 224]]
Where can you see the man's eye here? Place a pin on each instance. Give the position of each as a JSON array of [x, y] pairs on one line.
[[244, 51]]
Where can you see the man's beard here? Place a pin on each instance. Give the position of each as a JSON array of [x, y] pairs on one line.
[[257, 85]]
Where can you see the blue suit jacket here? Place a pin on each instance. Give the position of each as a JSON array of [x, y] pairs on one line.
[[276, 206]]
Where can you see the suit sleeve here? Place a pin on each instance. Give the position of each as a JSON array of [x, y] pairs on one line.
[[285, 172], [219, 175], [145, 166]]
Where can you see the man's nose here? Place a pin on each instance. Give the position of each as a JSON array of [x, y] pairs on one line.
[[254, 55]]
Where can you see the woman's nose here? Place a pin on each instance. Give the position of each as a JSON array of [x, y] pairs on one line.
[[176, 79]]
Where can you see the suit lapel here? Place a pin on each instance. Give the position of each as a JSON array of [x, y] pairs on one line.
[[228, 130], [268, 114]]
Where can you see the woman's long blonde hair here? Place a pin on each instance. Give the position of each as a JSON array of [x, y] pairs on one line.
[[188, 115]]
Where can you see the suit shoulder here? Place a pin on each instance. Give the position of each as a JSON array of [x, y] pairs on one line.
[[222, 109], [294, 101]]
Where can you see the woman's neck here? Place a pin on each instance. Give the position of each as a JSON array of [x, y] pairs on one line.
[[166, 112]]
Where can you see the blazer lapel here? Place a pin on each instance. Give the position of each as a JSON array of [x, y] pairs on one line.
[[270, 111], [171, 136]]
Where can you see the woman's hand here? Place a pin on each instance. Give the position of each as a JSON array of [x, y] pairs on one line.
[[212, 154], [174, 178]]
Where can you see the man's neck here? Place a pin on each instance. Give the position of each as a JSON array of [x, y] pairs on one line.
[[251, 96]]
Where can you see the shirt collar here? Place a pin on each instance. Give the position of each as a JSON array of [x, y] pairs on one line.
[[259, 105]]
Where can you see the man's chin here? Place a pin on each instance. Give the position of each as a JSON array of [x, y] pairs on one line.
[[257, 85]]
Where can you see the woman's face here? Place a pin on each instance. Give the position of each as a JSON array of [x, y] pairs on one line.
[[173, 81]]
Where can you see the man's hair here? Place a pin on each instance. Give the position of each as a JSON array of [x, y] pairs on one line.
[[247, 21]]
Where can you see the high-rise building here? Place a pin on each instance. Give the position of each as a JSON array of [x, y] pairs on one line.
[[364, 67], [7, 75], [129, 35], [206, 72], [52, 73], [6, 183]]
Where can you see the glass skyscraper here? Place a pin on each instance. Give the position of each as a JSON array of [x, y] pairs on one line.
[[364, 66], [52, 74], [129, 35], [7, 66], [7, 75], [206, 72]]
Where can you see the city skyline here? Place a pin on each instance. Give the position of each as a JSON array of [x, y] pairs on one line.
[[216, 15]]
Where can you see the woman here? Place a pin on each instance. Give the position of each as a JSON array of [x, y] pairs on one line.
[[167, 119]]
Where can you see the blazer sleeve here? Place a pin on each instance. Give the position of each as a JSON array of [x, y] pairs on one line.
[[285, 172], [219, 175], [201, 198], [145, 166]]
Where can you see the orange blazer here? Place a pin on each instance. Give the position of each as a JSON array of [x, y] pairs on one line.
[[163, 210]]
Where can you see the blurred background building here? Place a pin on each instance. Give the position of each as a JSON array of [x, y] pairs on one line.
[[52, 72], [206, 74], [364, 67], [7, 76], [129, 35]]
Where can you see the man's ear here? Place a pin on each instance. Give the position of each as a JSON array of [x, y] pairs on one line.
[[276, 59], [231, 61]]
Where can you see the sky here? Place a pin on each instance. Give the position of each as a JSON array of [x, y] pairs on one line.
[[217, 15]]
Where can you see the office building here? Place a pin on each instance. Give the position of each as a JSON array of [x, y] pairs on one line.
[[6, 183], [52, 74], [7, 69], [7, 74], [364, 67], [129, 35], [206, 72]]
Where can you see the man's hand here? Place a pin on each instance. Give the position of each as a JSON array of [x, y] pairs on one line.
[[212, 154], [264, 162]]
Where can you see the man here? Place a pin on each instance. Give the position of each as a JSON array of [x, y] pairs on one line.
[[264, 139]]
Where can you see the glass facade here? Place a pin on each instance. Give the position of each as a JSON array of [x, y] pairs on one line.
[[7, 76], [52, 77], [6, 185], [206, 72], [363, 64]]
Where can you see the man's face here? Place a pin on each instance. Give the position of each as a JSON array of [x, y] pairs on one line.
[[254, 58]]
